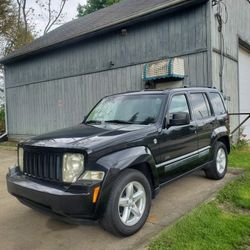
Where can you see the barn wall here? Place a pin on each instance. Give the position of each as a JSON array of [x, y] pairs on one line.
[[42, 107], [56, 89], [172, 35], [237, 27]]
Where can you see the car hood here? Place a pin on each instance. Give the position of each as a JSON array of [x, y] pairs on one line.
[[92, 137]]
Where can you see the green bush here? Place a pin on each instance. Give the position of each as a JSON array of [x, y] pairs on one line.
[[2, 120]]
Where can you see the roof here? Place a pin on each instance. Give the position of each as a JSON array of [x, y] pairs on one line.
[[120, 13], [167, 91]]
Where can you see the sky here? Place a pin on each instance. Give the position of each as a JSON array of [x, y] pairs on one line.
[[70, 12]]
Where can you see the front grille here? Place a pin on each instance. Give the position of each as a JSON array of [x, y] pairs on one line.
[[43, 165]]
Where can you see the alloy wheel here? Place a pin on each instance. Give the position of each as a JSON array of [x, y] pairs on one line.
[[132, 203]]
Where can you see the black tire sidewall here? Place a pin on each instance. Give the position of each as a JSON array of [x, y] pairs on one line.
[[119, 185], [218, 146]]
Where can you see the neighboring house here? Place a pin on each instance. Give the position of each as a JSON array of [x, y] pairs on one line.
[[54, 81]]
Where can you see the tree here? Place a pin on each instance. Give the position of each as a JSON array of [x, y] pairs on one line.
[[7, 16], [93, 5], [53, 16], [15, 31]]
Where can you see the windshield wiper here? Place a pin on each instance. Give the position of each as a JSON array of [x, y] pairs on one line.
[[119, 122], [93, 122]]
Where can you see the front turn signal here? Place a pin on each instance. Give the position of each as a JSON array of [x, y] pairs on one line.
[[95, 194]]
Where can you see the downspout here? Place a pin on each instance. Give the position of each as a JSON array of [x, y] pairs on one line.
[[221, 24], [221, 62], [5, 113]]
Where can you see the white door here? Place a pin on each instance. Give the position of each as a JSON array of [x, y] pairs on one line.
[[244, 86]]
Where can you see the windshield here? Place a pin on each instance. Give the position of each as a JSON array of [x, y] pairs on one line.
[[127, 109]]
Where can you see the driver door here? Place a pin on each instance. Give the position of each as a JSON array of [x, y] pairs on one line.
[[178, 144]]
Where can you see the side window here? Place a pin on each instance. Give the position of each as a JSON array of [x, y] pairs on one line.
[[201, 106], [218, 105], [178, 104]]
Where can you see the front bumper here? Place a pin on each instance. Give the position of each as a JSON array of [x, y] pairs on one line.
[[60, 201]]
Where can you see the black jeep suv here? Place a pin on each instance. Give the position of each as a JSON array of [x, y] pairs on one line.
[[110, 167]]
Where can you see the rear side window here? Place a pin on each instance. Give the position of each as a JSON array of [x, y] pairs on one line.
[[217, 103], [200, 105]]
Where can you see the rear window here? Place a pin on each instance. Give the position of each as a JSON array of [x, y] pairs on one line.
[[200, 105], [217, 103]]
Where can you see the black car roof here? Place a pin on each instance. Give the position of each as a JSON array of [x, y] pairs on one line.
[[168, 91]]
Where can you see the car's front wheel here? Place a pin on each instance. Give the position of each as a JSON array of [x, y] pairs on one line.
[[128, 205]]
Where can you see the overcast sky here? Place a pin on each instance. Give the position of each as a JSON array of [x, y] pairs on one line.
[[70, 11]]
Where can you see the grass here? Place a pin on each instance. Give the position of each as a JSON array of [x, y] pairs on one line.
[[220, 224], [240, 158], [237, 193], [207, 227]]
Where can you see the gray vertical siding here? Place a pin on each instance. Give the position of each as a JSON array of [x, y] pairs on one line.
[[177, 34], [39, 108], [54, 90], [238, 26]]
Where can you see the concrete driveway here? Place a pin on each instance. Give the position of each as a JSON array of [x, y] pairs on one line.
[[23, 228]]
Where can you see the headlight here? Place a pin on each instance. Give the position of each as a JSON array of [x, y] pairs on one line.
[[73, 166], [20, 158], [93, 176]]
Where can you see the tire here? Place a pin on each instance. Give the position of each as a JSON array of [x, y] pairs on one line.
[[115, 219], [218, 169]]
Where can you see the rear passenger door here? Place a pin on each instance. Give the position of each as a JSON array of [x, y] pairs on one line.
[[205, 123]]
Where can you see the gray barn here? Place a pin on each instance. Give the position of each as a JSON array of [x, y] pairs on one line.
[[53, 82]]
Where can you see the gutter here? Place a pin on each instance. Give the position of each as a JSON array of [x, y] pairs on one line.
[[107, 27], [3, 136]]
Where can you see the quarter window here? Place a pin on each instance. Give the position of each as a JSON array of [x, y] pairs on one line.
[[218, 105], [201, 106]]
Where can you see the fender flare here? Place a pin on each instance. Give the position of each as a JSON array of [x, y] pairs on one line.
[[219, 133], [117, 162]]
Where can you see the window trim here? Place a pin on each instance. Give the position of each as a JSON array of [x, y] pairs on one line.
[[208, 104]]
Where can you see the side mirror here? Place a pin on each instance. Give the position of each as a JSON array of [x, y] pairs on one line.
[[179, 119]]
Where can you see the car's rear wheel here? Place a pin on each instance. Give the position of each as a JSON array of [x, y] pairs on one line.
[[218, 168], [128, 205]]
